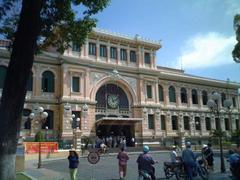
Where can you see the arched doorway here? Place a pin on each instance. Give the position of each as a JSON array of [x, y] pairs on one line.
[[113, 113]]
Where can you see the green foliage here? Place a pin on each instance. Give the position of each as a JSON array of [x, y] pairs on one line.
[[86, 141], [218, 133], [61, 21], [39, 137], [235, 137], [236, 50]]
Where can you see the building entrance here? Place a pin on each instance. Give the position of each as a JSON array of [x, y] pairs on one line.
[[116, 132]]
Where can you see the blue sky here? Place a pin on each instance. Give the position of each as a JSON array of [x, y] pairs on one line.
[[196, 35]]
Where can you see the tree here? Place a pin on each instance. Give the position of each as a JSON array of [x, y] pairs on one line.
[[40, 23], [236, 50], [235, 137], [219, 133]]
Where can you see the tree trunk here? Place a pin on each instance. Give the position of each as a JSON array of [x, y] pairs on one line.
[[14, 90]]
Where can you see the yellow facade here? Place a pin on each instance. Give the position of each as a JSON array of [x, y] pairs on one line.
[[139, 81]]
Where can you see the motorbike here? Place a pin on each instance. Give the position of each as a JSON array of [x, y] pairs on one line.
[[199, 170], [179, 171], [170, 168]]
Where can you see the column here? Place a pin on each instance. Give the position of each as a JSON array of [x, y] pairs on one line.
[[156, 92], [142, 57], [189, 97], [222, 122], [178, 97], [86, 48], [86, 84], [168, 123], [139, 57], [118, 54], [166, 97], [37, 81], [193, 126], [108, 52], [154, 59], [97, 50], [203, 124], [151, 58], [213, 122], [67, 131], [128, 55], [200, 103]]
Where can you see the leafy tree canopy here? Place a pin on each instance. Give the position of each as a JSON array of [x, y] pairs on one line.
[[61, 21], [236, 50], [218, 133]]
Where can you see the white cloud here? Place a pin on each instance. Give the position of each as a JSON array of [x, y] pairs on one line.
[[209, 50], [233, 7]]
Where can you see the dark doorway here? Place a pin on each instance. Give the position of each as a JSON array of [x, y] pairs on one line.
[[103, 131]]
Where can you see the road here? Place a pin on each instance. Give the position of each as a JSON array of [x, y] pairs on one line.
[[107, 167]]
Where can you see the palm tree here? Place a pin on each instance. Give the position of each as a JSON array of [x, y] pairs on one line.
[[219, 133]]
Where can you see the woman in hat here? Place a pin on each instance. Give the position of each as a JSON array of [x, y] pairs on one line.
[[73, 164]]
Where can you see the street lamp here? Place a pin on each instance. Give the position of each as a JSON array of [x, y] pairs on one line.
[[228, 104], [194, 125], [38, 116], [213, 105]]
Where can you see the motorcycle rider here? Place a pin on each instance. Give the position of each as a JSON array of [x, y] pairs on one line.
[[189, 160], [173, 154], [145, 162], [234, 161]]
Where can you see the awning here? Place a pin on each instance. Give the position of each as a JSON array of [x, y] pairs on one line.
[[117, 121]]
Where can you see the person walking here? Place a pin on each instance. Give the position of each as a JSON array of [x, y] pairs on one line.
[[145, 162], [122, 162], [73, 164], [189, 160]]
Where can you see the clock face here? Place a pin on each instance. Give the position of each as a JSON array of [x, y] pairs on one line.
[[113, 101]]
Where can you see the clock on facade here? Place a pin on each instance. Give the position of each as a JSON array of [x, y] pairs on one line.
[[113, 101]]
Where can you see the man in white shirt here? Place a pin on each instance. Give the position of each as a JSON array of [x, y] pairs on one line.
[[173, 154]]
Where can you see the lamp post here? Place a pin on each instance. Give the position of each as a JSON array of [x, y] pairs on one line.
[[213, 105], [38, 116], [228, 104], [76, 131], [193, 125]]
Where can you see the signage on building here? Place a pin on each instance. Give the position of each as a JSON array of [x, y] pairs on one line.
[[93, 157], [46, 147]]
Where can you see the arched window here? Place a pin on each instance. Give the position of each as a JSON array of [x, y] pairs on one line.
[[160, 93], [204, 97], [25, 117], [3, 72], [183, 95], [49, 121], [223, 98], [48, 81], [172, 95], [194, 96], [30, 82]]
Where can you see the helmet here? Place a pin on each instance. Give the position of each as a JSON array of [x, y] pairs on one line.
[[174, 147], [204, 146], [145, 149], [188, 144]]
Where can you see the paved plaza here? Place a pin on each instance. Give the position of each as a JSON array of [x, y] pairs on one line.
[[107, 168]]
